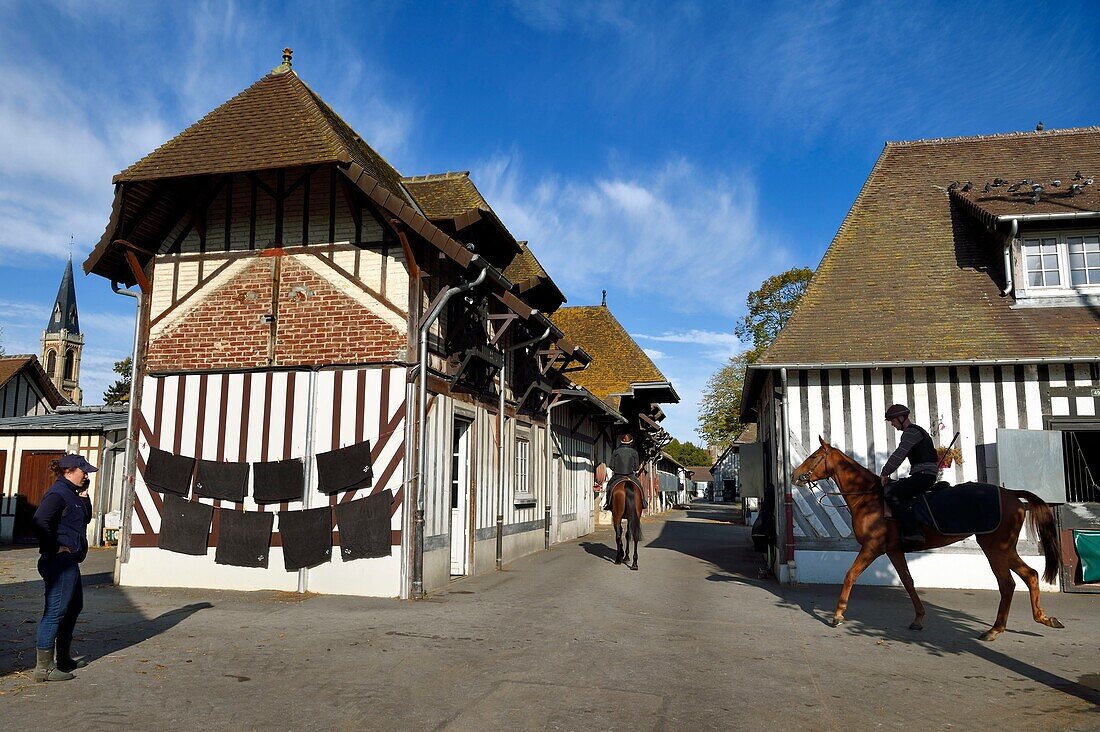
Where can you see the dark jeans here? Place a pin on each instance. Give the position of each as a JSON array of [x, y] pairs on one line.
[[900, 493], [64, 599]]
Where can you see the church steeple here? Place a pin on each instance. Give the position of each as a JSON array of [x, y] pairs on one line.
[[63, 316], [62, 341]]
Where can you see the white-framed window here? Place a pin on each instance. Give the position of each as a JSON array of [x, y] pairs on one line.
[[1041, 262], [523, 470], [1084, 260], [1061, 263]]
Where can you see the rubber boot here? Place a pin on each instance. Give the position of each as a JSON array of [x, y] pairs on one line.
[[65, 660], [46, 670]]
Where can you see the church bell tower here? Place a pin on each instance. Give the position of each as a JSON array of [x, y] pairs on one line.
[[62, 341]]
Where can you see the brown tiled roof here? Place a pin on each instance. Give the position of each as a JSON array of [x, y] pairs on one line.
[[278, 122], [910, 276], [10, 366], [699, 473], [617, 360], [1061, 199], [445, 195]]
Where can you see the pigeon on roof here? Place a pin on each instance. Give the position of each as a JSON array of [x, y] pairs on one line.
[[1014, 187], [1078, 176], [967, 186], [988, 187], [952, 185], [1056, 182], [1035, 197], [1076, 189], [1039, 127]]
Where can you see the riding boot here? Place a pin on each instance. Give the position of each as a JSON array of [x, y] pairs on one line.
[[47, 670], [65, 660], [910, 529]]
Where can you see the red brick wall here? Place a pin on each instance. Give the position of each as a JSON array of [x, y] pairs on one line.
[[327, 326], [317, 324], [225, 331]]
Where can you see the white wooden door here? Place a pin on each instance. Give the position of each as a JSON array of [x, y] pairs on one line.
[[460, 497]]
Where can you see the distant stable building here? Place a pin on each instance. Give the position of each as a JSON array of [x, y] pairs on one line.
[[965, 283], [297, 296], [625, 379]]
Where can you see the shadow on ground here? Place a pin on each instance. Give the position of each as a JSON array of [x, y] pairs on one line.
[[96, 636], [947, 631]]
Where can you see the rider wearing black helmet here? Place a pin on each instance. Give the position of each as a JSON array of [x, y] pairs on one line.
[[917, 447]]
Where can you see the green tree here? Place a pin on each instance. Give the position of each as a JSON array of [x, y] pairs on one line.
[[687, 453], [119, 392], [720, 408], [770, 308]]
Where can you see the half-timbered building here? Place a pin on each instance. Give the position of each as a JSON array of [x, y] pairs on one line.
[[965, 283], [297, 295], [625, 379]]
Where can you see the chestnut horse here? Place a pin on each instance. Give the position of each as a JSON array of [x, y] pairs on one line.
[[626, 501], [862, 492]]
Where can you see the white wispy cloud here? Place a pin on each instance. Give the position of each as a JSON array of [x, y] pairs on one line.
[[690, 236], [654, 354]]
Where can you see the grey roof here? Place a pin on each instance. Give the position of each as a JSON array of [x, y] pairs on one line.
[[63, 315], [85, 419]]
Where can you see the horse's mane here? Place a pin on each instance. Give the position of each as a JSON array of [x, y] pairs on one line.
[[865, 472]]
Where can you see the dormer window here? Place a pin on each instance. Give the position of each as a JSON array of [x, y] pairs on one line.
[[1058, 268], [57, 313]]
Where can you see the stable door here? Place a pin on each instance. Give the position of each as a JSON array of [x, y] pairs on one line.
[[35, 479], [460, 497]]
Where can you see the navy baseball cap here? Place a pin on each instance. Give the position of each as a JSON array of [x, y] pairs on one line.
[[70, 460]]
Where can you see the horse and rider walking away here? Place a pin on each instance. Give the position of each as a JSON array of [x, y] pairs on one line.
[[626, 502], [862, 491]]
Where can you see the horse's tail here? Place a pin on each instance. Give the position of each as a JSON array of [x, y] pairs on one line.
[[632, 519], [1042, 523]]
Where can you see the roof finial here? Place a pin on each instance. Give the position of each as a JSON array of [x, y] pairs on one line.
[[604, 301], [284, 67]]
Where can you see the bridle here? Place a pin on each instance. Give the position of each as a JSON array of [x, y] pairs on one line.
[[805, 479]]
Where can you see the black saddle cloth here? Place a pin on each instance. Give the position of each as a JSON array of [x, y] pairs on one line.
[[963, 509]]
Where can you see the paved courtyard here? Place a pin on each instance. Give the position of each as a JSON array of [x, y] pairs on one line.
[[560, 640]]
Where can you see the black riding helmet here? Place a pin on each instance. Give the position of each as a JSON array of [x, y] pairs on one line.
[[897, 411]]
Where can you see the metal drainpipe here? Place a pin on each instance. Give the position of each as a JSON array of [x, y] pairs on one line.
[[421, 437], [303, 574], [1015, 227], [128, 473], [788, 496], [500, 450]]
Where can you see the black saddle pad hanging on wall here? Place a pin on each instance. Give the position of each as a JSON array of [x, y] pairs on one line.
[[168, 473], [365, 526], [184, 525], [224, 481], [244, 538], [346, 469], [278, 481], [307, 537]]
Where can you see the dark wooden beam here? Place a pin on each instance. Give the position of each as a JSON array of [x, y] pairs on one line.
[[138, 273]]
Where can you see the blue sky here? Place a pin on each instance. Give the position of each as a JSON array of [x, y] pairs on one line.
[[674, 154]]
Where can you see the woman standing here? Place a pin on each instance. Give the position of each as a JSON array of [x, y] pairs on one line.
[[59, 524]]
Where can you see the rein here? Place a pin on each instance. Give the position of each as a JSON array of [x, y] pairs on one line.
[[805, 478]]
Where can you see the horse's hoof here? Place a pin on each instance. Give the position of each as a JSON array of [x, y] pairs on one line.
[[988, 635], [836, 621], [915, 626], [634, 567], [618, 561], [1054, 623]]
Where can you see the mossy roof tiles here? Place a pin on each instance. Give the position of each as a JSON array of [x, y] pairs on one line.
[[912, 275], [617, 359]]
